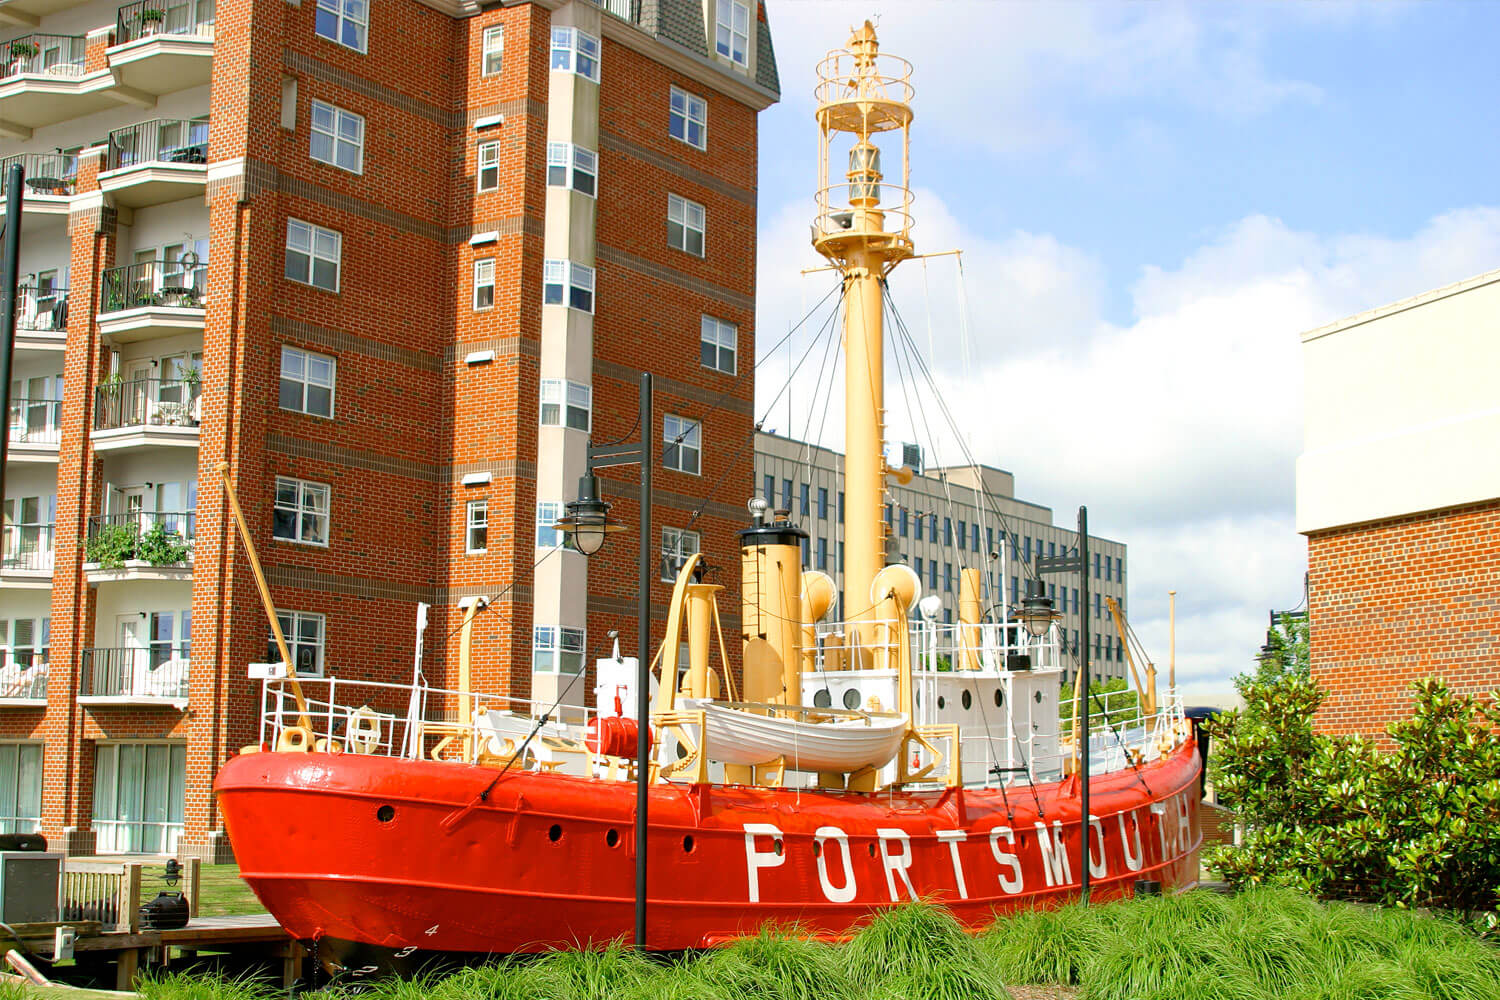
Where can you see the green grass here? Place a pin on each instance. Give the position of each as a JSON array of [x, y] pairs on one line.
[[223, 893], [1263, 944]]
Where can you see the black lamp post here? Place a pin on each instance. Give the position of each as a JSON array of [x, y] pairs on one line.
[[1079, 563], [588, 523]]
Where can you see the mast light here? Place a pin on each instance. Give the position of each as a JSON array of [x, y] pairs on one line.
[[588, 518], [1037, 615]]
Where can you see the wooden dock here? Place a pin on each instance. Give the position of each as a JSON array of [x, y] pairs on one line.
[[256, 937]]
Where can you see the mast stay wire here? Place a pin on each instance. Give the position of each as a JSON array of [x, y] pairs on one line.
[[904, 365]]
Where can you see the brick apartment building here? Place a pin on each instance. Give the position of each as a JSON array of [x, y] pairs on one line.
[[1398, 492], [395, 263]]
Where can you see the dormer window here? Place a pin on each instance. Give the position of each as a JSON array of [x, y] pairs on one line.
[[732, 31]]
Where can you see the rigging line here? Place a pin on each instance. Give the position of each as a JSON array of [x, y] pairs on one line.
[[908, 350], [1027, 567], [966, 342], [1104, 715], [811, 344], [823, 369], [489, 605], [823, 423]]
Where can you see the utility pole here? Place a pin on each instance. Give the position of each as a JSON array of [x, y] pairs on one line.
[[10, 278]]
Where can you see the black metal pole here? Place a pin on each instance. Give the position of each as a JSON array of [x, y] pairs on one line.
[[1083, 734], [10, 279], [643, 664]]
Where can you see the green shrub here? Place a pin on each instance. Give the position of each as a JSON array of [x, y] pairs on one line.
[[919, 952], [111, 545], [161, 547], [1417, 825]]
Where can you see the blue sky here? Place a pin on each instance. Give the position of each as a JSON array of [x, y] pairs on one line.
[[1154, 200]]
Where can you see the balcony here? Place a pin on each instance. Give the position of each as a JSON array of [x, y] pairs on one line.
[[155, 162], [35, 428], [140, 545], [42, 318], [26, 556], [155, 675], [50, 180], [43, 82], [28, 13], [23, 680], [161, 47], [146, 413], [153, 298]]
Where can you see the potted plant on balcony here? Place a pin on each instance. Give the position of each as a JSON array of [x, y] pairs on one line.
[[111, 546], [22, 52], [160, 547], [151, 19]]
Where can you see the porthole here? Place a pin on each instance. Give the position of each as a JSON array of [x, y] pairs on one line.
[[1038, 697], [999, 698], [851, 699], [822, 698], [968, 701], [776, 846], [942, 703], [612, 837], [385, 814], [554, 833], [872, 848], [817, 848], [687, 844]]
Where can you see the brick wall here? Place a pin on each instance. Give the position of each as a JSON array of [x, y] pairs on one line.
[[1397, 600]]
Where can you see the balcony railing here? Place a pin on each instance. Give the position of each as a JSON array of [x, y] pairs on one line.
[[52, 55], [160, 538], [179, 283], [46, 173], [159, 671], [43, 308], [35, 421], [164, 140], [23, 675], [146, 402], [159, 17], [26, 547]]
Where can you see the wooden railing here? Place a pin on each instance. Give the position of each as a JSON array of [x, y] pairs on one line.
[[111, 891]]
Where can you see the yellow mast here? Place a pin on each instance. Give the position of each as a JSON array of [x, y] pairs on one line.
[[861, 94]]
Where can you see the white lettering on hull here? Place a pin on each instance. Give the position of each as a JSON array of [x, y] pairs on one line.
[[825, 836], [953, 838], [898, 864], [1055, 867], [755, 860], [1133, 861], [1015, 882], [1097, 868]]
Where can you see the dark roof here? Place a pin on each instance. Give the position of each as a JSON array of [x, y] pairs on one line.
[[681, 23]]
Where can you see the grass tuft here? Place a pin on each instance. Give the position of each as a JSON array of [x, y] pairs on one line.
[[919, 952]]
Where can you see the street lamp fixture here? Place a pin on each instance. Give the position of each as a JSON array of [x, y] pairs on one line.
[[1037, 615], [588, 520]]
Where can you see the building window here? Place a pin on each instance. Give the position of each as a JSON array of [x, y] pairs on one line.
[[548, 535], [919, 520], [338, 137], [677, 545], [822, 553], [806, 553], [23, 655], [313, 254], [301, 511], [803, 494], [575, 51], [841, 510], [494, 51], [307, 382], [556, 650], [343, 21], [841, 557], [719, 340], [932, 574], [569, 284], [685, 225], [476, 526], [571, 166], [484, 283], [134, 781], [683, 439], [489, 166], [823, 503], [1075, 600], [948, 576], [688, 119], [1109, 569], [567, 404], [905, 523], [20, 787], [770, 490], [917, 565], [947, 531], [732, 31], [786, 495], [304, 641], [974, 538]]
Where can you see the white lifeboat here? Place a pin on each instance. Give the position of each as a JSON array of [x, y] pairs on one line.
[[808, 739]]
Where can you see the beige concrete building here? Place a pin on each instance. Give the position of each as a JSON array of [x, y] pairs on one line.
[[941, 525]]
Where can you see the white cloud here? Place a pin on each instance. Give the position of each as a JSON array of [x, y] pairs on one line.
[[1179, 428]]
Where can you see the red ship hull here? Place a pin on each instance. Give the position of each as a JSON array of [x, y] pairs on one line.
[[381, 852]]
